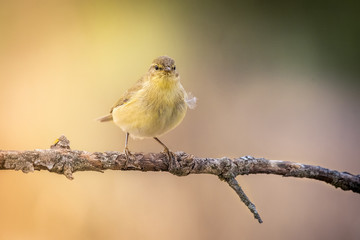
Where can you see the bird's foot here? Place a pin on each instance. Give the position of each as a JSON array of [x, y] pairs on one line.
[[127, 156], [170, 155], [174, 166]]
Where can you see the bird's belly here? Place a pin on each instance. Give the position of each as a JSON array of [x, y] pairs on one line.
[[148, 120]]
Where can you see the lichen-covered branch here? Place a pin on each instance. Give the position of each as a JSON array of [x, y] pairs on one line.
[[62, 160]]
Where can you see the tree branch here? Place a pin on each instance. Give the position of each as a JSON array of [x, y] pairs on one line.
[[62, 160]]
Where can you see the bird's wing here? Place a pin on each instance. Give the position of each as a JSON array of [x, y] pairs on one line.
[[129, 93]]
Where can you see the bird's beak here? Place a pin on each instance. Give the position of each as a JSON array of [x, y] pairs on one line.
[[167, 69]]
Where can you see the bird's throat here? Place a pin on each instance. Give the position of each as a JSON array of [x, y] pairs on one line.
[[164, 82]]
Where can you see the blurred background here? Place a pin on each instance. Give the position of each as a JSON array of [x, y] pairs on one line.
[[274, 79]]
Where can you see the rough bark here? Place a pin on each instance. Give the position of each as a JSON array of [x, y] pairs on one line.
[[62, 160]]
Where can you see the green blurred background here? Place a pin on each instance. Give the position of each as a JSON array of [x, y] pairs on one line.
[[274, 79]]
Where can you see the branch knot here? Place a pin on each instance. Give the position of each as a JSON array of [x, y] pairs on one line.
[[61, 143]]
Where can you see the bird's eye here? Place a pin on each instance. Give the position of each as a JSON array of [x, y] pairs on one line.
[[156, 67], [174, 68]]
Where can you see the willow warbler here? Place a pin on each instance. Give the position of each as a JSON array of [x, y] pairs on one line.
[[156, 104]]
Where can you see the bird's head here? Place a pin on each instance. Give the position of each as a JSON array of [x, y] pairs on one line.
[[163, 66]]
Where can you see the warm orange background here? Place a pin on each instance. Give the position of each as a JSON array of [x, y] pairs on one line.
[[273, 80]]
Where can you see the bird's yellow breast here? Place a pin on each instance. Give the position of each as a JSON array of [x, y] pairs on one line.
[[156, 108]]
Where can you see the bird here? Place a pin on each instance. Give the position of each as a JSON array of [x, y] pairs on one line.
[[153, 106]]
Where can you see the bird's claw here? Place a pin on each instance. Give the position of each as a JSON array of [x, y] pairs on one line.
[[174, 166], [127, 156], [170, 155]]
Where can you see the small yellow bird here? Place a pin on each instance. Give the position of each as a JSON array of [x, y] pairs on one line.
[[156, 104]]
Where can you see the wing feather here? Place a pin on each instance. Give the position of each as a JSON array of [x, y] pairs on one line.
[[129, 93]]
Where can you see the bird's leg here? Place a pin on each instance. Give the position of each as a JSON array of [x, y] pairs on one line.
[[166, 149], [126, 150]]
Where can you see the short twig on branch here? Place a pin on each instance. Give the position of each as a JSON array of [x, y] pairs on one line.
[[62, 160]]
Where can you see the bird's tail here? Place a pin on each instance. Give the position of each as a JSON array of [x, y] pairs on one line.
[[105, 118]]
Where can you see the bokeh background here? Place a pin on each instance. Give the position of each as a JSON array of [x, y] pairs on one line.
[[274, 79]]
